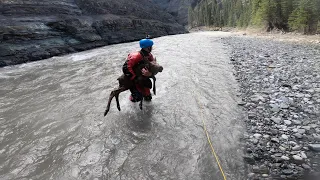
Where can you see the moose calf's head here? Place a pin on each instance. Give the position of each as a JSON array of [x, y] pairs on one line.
[[154, 68]]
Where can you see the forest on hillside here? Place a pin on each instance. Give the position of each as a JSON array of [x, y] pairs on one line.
[[285, 15]]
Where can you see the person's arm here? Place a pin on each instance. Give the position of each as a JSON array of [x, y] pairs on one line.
[[146, 72], [151, 58], [133, 59]]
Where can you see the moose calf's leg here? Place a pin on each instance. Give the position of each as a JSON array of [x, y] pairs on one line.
[[120, 90], [140, 104], [154, 85], [118, 104], [113, 93], [109, 102]]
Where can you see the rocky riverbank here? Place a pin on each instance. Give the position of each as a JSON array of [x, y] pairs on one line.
[[280, 89], [32, 30]]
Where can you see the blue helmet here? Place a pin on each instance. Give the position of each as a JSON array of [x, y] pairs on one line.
[[144, 43]]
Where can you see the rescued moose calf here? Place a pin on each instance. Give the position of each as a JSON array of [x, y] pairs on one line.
[[125, 83]]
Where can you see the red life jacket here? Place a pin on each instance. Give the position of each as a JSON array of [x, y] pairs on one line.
[[134, 58]]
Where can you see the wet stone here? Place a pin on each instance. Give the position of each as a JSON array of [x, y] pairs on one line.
[[292, 143], [283, 176], [251, 175], [299, 95], [284, 106], [305, 166], [251, 115], [296, 148], [275, 108], [298, 136], [285, 158], [278, 154], [277, 159], [316, 137], [242, 103], [296, 117], [275, 140], [287, 171], [306, 127], [287, 122], [266, 136], [255, 169], [276, 120], [249, 159], [313, 125], [301, 131], [297, 158], [257, 136], [282, 148], [283, 136], [303, 155], [314, 147], [256, 98], [274, 132], [255, 141], [296, 122], [249, 150], [263, 169]]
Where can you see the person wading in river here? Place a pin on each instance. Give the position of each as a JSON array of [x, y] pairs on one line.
[[142, 89]]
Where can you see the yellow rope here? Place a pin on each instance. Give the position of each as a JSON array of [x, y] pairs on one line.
[[207, 134]]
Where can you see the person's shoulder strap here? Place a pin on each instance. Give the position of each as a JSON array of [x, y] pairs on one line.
[[142, 54]]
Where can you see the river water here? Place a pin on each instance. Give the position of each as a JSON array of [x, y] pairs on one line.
[[52, 124]]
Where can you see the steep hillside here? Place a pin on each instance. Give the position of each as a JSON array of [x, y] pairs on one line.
[[177, 8], [32, 30]]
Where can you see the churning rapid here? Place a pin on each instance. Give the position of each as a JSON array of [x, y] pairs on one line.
[[52, 124]]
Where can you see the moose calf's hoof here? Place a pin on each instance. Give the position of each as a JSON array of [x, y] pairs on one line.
[[148, 98]]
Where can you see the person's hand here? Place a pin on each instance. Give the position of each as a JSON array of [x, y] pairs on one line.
[[145, 72]]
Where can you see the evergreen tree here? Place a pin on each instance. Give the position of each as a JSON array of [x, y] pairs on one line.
[[304, 18], [317, 3], [302, 15]]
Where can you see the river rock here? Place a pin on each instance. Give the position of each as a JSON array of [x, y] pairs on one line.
[[296, 122], [285, 158], [301, 131], [287, 171], [314, 147], [306, 127], [297, 158], [287, 122], [305, 166], [275, 140], [296, 148], [257, 136], [249, 159], [283, 136], [277, 120], [298, 135], [303, 155], [289, 109]]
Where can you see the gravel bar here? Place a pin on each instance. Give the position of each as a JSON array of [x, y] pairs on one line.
[[280, 92]]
